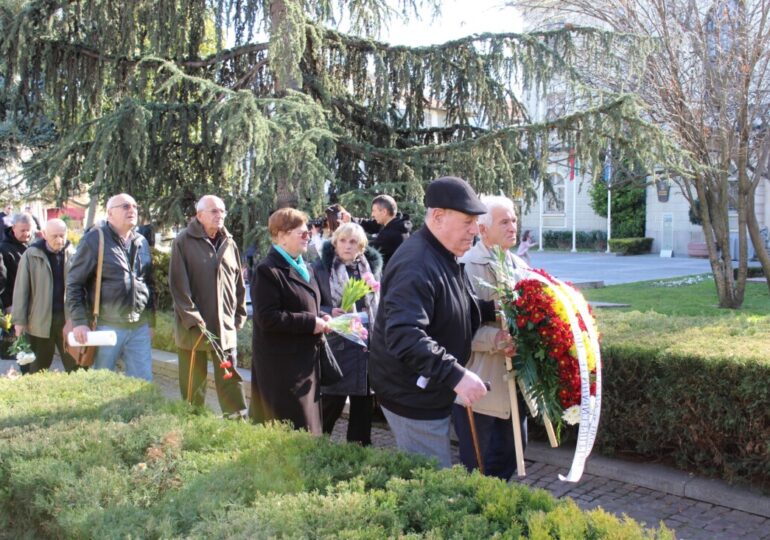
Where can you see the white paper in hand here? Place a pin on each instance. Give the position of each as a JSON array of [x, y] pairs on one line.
[[101, 338]]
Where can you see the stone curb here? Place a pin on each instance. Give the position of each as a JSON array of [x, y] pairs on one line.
[[658, 478], [647, 475]]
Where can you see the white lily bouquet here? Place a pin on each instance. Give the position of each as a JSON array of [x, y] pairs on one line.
[[22, 350]]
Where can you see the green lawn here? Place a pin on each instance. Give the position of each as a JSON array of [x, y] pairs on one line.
[[699, 299], [686, 319]]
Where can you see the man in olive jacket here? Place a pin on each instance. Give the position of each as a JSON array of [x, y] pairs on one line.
[[38, 296], [208, 291]]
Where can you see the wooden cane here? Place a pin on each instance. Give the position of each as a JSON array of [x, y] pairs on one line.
[[475, 438]]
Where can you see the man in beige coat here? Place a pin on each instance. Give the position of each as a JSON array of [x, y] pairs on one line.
[[492, 413], [38, 295], [208, 292]]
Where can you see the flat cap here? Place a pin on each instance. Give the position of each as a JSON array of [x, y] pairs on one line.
[[453, 193]]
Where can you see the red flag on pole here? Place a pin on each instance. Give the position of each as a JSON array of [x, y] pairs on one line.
[[571, 164]]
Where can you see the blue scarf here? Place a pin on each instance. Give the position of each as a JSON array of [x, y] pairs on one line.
[[298, 264]]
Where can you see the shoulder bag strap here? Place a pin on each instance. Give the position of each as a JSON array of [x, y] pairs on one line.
[[99, 265]]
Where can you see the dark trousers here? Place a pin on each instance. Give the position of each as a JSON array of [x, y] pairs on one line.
[[229, 391], [495, 435], [359, 417], [44, 348]]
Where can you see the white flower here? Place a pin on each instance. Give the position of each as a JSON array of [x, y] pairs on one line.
[[24, 358], [572, 415]]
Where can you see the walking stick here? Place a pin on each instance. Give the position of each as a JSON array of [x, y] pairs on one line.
[[475, 438]]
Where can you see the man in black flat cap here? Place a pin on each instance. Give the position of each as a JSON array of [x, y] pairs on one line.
[[427, 317]]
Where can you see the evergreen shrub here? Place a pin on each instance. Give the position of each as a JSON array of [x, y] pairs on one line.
[[99, 455], [630, 246], [160, 260]]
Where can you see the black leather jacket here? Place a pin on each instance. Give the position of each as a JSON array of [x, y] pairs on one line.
[[426, 321], [127, 285], [11, 251]]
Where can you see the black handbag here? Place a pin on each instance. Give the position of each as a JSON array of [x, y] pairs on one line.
[[330, 369]]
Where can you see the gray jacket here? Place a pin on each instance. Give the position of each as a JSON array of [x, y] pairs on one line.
[[127, 284]]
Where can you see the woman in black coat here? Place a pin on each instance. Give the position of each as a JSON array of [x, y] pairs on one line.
[[288, 328], [347, 256]]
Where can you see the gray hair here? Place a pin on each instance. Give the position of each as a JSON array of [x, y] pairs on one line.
[[201, 204], [111, 200], [55, 222], [351, 229], [25, 218], [492, 202]]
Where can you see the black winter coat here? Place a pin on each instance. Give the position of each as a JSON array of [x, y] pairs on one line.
[[426, 321], [352, 358], [127, 298], [284, 362], [11, 251], [389, 237]]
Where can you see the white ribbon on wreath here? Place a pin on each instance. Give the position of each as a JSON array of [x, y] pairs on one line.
[[590, 406]]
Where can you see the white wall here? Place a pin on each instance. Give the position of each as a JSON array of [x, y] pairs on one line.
[[684, 231], [586, 218]]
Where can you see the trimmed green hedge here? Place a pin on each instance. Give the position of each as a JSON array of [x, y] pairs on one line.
[[630, 246], [709, 415], [98, 455], [583, 240]]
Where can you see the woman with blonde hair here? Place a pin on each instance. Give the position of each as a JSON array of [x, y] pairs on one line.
[[347, 256]]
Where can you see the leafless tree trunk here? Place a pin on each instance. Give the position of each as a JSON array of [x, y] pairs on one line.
[[707, 83]]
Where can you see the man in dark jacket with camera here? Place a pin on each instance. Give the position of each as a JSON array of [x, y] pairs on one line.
[[127, 304], [427, 317], [388, 224]]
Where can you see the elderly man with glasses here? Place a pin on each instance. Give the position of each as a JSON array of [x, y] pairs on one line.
[[209, 295], [127, 302]]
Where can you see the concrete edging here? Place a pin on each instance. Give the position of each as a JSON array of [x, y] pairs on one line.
[[658, 478]]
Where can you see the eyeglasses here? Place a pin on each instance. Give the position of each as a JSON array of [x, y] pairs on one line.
[[218, 211], [125, 206], [305, 234]]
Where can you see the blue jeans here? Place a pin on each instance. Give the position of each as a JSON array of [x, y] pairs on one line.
[[427, 437], [134, 347]]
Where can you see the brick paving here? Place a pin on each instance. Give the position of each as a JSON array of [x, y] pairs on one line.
[[691, 519]]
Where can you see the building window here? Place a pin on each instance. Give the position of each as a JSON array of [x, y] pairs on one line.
[[554, 202]]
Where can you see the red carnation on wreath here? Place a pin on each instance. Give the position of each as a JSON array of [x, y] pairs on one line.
[[538, 310]]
